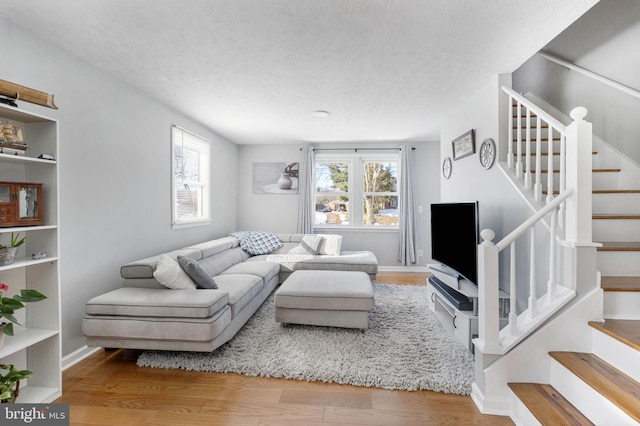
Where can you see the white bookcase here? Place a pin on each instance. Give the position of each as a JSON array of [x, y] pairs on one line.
[[36, 345]]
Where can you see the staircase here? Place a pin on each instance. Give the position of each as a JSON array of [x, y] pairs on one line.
[[601, 386]]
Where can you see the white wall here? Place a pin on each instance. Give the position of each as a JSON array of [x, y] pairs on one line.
[[278, 213], [611, 51], [502, 209], [114, 171]]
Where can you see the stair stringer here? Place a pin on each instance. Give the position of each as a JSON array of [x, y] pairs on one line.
[[530, 361]]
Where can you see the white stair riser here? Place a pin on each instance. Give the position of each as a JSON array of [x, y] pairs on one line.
[[622, 305], [621, 230], [621, 356], [606, 180], [520, 414], [616, 203], [593, 405], [619, 263]]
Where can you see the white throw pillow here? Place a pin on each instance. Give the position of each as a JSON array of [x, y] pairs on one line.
[[331, 244], [309, 245], [169, 273]]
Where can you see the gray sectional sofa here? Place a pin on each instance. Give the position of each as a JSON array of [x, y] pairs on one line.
[[177, 315]]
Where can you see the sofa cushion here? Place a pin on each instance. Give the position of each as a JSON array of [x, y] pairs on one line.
[[169, 273], [151, 302], [263, 269], [241, 289], [209, 248], [220, 262], [196, 273], [144, 268], [364, 261]]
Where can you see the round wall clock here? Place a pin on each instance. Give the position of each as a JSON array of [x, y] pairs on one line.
[[446, 168], [487, 153]]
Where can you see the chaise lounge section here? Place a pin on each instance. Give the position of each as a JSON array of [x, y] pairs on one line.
[[146, 314]]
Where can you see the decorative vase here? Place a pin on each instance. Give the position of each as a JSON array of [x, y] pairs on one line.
[[7, 255], [285, 181], [1, 337]]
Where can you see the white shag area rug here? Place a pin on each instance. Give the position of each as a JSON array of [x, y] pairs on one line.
[[405, 347]]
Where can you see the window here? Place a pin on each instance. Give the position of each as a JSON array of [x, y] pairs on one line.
[[356, 191], [190, 178]]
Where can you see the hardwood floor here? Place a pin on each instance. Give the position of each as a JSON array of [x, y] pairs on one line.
[[108, 388]]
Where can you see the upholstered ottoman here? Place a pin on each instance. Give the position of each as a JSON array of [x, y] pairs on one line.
[[326, 298]]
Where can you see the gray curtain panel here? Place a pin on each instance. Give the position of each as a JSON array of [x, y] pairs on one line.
[[407, 211], [306, 213]]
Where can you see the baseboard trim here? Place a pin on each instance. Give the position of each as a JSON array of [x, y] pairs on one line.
[[420, 269], [495, 406], [78, 355]]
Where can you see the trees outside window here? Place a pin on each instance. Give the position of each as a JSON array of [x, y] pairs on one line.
[[356, 191]]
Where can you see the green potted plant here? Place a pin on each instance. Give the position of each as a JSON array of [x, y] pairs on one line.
[[8, 253], [10, 382], [8, 306]]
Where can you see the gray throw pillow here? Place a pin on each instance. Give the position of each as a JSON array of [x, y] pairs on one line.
[[197, 273], [309, 245]]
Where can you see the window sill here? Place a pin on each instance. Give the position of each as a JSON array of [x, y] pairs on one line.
[[190, 224], [356, 228]]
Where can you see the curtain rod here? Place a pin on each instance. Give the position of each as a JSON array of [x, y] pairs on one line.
[[360, 149]]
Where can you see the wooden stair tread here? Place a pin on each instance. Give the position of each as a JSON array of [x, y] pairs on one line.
[[616, 216], [625, 331], [619, 246], [548, 405], [616, 191], [618, 388], [620, 283]]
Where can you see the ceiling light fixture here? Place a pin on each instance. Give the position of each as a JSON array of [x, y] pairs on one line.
[[320, 114]]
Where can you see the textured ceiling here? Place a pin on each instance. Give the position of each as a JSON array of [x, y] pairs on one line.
[[254, 70]]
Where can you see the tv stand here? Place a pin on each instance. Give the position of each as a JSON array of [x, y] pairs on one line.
[[456, 312]]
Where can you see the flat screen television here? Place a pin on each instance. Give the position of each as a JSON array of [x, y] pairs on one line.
[[454, 238]]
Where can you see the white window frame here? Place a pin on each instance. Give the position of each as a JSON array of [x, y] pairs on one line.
[[181, 139], [356, 192]]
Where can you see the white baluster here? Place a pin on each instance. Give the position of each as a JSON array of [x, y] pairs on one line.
[[519, 142], [537, 188], [551, 283], [563, 178], [533, 299], [550, 165], [527, 163], [513, 317], [510, 149]]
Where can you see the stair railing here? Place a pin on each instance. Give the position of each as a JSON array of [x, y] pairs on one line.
[[537, 122], [569, 210]]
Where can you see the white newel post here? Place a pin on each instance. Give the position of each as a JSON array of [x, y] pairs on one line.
[[488, 303], [579, 176]]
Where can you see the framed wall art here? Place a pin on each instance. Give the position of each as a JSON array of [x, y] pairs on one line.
[[464, 145]]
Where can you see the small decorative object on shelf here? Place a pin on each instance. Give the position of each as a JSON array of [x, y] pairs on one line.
[[20, 204], [11, 91], [11, 141], [8, 253], [38, 255], [8, 306], [10, 383]]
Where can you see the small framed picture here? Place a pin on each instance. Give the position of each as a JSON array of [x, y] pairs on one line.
[[464, 145]]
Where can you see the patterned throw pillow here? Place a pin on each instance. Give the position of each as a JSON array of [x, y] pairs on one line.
[[196, 273], [257, 242]]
